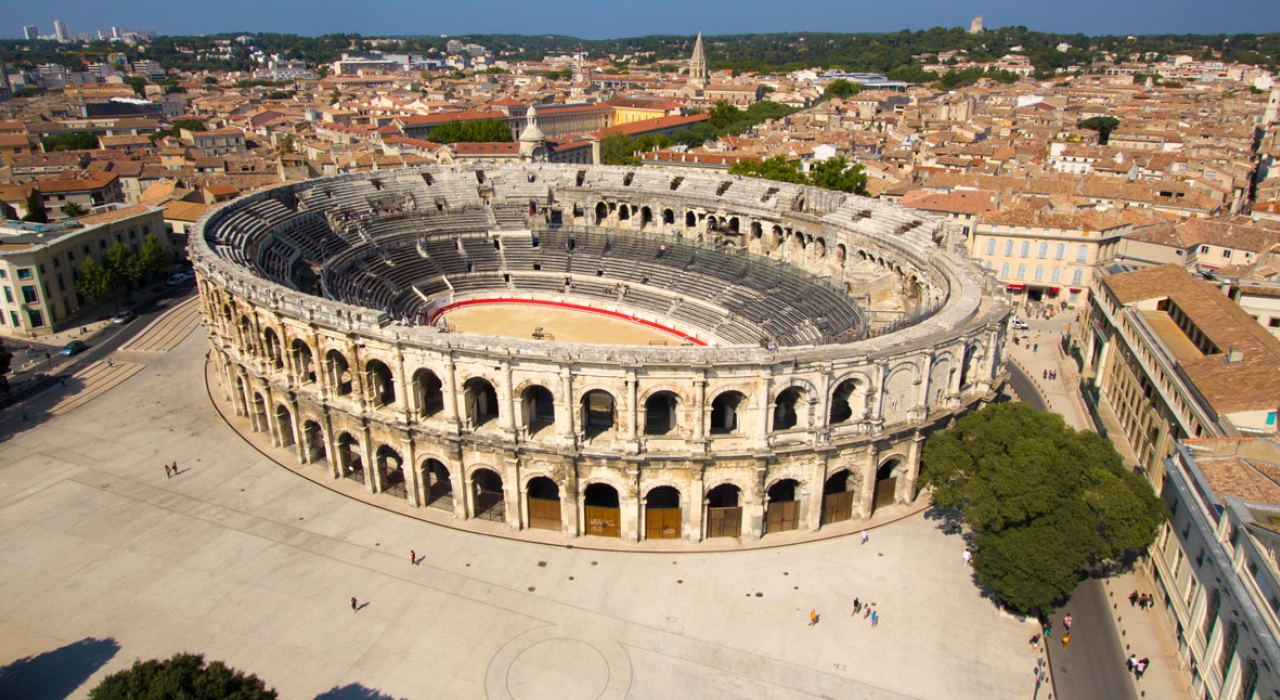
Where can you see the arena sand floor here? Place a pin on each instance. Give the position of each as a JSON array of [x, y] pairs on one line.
[[103, 560]]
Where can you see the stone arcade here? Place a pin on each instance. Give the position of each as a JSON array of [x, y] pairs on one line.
[[803, 408]]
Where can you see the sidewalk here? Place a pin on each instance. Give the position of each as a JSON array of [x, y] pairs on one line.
[[1145, 633]]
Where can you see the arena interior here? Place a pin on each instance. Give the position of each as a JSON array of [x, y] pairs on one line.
[[619, 352]]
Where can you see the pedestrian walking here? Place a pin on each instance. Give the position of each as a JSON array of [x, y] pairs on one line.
[[1133, 598], [1140, 669], [1044, 374], [1034, 642], [354, 604], [866, 611], [857, 607], [875, 618], [24, 415], [967, 556], [813, 617], [175, 467], [110, 363], [1131, 662], [1035, 348], [1066, 622], [413, 557], [1066, 640], [167, 474], [865, 536]]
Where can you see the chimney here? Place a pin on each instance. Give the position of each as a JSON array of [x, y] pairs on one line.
[[1235, 356]]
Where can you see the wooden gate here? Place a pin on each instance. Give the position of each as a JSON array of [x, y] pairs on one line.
[[724, 522], [491, 506], [662, 523], [837, 507], [603, 521], [886, 489], [782, 516], [544, 513]]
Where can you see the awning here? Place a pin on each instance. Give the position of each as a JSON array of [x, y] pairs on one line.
[[1076, 290], [1054, 290], [1016, 287]]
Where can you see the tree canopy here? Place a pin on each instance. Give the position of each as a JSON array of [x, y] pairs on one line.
[[181, 676], [1103, 125], [1044, 502], [617, 149], [36, 211], [842, 88], [480, 131], [833, 173], [70, 141], [192, 125]]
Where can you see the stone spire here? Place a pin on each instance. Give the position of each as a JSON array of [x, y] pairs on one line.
[[698, 66], [533, 143]]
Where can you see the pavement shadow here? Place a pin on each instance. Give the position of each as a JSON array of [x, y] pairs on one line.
[[353, 691], [17, 414], [56, 674]]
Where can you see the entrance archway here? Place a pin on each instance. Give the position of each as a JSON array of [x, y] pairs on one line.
[[435, 476], [724, 412], [350, 465], [662, 514], [782, 513], [543, 499], [724, 511], [847, 397], [339, 372], [284, 419], [786, 414], [381, 384], [490, 503], [389, 468], [886, 485], [601, 511], [313, 442], [660, 413], [427, 393], [303, 362], [597, 413], [539, 408], [259, 413], [837, 497], [602, 212], [481, 401]]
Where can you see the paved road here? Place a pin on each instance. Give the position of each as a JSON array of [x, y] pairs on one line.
[[1025, 389], [1092, 667]]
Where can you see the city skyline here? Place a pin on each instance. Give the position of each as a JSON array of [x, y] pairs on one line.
[[595, 21]]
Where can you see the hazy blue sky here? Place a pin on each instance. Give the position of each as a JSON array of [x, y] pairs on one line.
[[595, 20]]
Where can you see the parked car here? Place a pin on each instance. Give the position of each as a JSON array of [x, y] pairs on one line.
[[1018, 324], [73, 347], [123, 317], [178, 278]]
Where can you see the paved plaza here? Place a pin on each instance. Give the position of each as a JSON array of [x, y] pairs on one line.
[[104, 560]]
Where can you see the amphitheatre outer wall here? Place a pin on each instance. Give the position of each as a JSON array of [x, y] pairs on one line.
[[746, 440]]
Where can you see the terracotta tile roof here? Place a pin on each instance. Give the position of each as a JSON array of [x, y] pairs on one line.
[[107, 217], [1234, 476]]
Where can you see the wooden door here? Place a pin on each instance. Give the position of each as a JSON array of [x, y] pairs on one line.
[[603, 521], [724, 522], [782, 516], [837, 507], [544, 513], [886, 490], [662, 523]]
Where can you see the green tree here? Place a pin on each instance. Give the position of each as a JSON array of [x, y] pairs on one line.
[[36, 212], [838, 174], [478, 131], [842, 88], [776, 168], [286, 144], [723, 114], [188, 124], [1043, 501], [616, 149], [153, 257], [1103, 125], [122, 264], [182, 676], [73, 209], [95, 282], [70, 141], [139, 85]]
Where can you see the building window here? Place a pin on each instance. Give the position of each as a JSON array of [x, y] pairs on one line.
[[1039, 273], [24, 273], [1044, 250], [1204, 249], [1228, 649], [1008, 248], [1004, 271], [1211, 614], [1082, 253], [1056, 275], [1273, 322], [4, 274], [29, 294], [1078, 277], [1026, 249], [991, 246], [1059, 251], [1271, 418], [13, 319], [1226, 253], [8, 295], [1022, 272], [36, 318]]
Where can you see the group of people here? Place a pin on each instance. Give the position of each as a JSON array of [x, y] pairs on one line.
[[171, 471], [1142, 600], [865, 609], [1137, 666], [1050, 374], [1047, 630]]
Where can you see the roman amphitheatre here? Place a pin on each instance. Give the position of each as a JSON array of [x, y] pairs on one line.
[[639, 354]]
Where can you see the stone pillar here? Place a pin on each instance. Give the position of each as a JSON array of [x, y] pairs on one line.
[[907, 489], [566, 433], [451, 395], [512, 494], [330, 445], [372, 475], [299, 440], [569, 502], [412, 477], [700, 406], [696, 506], [403, 388], [753, 511], [507, 417], [461, 489], [866, 500]]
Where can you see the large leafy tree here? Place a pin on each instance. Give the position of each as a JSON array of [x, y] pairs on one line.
[[479, 131], [153, 257], [1044, 502], [776, 168], [94, 282], [182, 676], [73, 209], [36, 211], [839, 174], [1103, 125]]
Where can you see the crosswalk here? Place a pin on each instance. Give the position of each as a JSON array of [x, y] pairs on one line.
[[92, 382], [168, 330]]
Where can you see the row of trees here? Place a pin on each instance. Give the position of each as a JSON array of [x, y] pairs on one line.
[[481, 131], [121, 268], [833, 173]]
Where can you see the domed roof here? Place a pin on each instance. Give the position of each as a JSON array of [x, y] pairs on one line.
[[531, 133]]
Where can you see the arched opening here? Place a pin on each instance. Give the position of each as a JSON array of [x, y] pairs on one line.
[[886, 485], [543, 498], [842, 254], [662, 514], [488, 497], [303, 362], [668, 216], [837, 497], [381, 383], [350, 465], [428, 394], [690, 220], [646, 217], [624, 213], [539, 408], [757, 231], [246, 336], [602, 212], [390, 468], [733, 225], [660, 413], [259, 412], [724, 511], [602, 514], [481, 401], [847, 396], [271, 344], [284, 419], [435, 477], [724, 412], [597, 413], [786, 414], [782, 512], [313, 442], [339, 372]]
